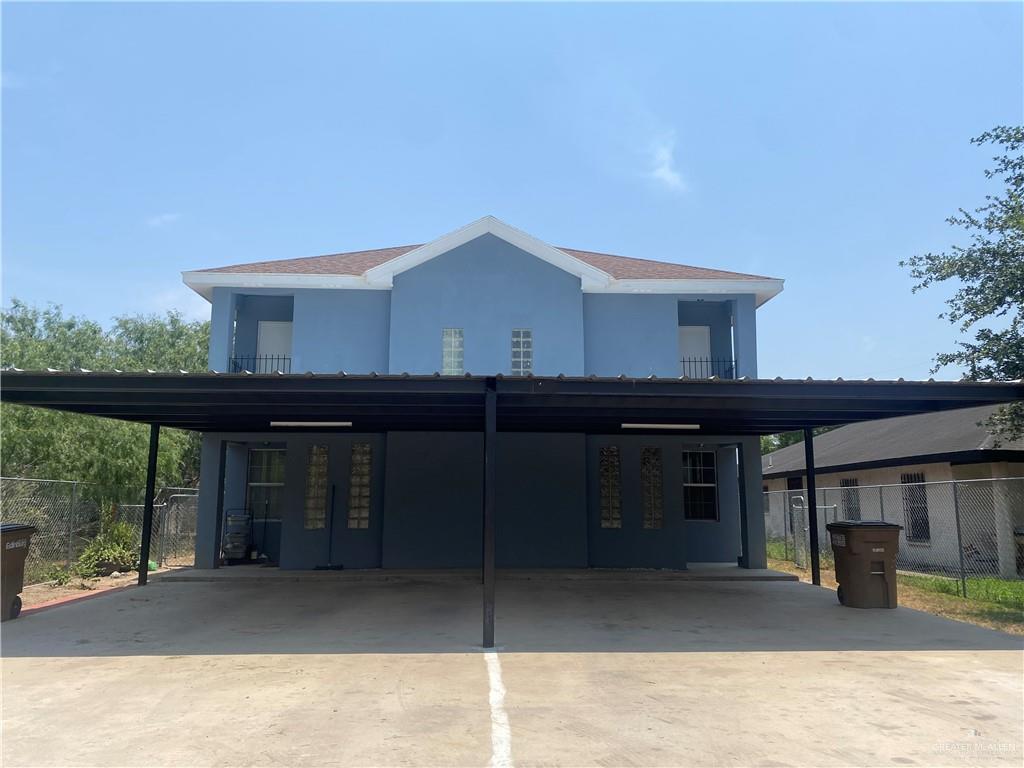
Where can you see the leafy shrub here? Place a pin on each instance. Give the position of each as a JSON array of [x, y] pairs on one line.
[[59, 575], [115, 549]]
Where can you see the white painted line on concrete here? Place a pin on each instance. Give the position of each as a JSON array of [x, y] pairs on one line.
[[501, 732]]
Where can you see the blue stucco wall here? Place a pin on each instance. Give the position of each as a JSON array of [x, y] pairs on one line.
[[432, 500], [250, 309], [487, 287], [541, 515], [341, 331], [638, 334]]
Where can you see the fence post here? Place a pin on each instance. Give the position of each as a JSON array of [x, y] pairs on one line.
[[959, 540], [71, 524], [881, 504]]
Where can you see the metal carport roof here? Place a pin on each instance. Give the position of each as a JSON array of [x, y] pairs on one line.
[[247, 402]]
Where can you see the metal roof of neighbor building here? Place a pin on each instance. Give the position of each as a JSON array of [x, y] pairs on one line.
[[950, 435], [358, 262], [599, 405]]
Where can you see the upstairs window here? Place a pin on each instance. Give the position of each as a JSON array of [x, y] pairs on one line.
[[452, 360], [700, 486], [522, 351]]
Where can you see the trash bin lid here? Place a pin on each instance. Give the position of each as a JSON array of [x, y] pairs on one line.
[[16, 527], [861, 524]]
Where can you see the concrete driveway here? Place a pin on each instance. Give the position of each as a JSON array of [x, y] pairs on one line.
[[588, 672]]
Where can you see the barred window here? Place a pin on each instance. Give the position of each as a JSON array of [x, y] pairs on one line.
[[522, 351], [650, 480], [359, 486], [610, 478], [850, 498], [700, 487], [315, 508], [452, 352], [915, 507]]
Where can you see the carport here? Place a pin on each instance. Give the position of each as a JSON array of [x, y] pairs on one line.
[[246, 403]]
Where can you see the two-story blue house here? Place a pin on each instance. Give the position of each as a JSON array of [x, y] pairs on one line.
[[487, 299]]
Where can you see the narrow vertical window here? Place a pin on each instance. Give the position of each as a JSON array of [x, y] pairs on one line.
[[700, 486], [650, 481], [915, 507], [610, 479], [359, 486], [315, 507], [522, 351], [452, 361]]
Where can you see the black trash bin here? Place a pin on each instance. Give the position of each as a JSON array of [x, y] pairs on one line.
[[14, 543], [865, 554]]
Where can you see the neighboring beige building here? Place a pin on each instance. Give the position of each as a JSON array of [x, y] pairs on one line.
[[903, 470]]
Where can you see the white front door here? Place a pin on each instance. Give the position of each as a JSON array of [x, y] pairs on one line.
[[273, 346], [695, 351]]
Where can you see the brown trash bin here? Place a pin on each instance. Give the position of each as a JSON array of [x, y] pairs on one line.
[[865, 554], [14, 542]]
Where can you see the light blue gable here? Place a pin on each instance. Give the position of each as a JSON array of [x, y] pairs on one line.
[[487, 287]]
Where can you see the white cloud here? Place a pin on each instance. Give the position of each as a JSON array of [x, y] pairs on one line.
[[162, 220], [663, 162], [181, 299]]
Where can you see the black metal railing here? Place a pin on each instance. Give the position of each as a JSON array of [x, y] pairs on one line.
[[261, 364], [706, 367]]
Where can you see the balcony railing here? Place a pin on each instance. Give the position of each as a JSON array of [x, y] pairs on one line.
[[261, 364], [706, 367]]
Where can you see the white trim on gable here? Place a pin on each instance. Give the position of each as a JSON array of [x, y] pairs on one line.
[[590, 277], [381, 277]]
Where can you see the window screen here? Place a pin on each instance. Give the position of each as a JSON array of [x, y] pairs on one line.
[[650, 481], [315, 506], [452, 359], [850, 497], [700, 488], [359, 486], [610, 474], [915, 507], [522, 351]]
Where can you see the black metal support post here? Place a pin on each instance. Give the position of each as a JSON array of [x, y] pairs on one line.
[[490, 433], [812, 506], [147, 515]]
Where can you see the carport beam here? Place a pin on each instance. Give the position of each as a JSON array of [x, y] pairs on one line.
[[490, 433], [147, 515], [812, 505]]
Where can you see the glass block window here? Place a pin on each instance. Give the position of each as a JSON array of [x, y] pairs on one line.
[[315, 504], [700, 486], [650, 480], [522, 351], [850, 498], [452, 358], [610, 479], [359, 486]]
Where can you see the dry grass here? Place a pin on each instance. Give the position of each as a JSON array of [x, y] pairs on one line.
[[986, 614]]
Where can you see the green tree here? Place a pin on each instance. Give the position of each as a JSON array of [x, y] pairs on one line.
[[108, 453], [988, 271]]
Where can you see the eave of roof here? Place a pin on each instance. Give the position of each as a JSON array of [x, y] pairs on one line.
[[374, 269]]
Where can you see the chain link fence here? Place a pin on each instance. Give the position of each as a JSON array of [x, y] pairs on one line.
[[959, 529], [68, 515]]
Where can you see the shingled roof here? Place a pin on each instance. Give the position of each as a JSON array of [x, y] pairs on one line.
[[358, 262], [903, 440]]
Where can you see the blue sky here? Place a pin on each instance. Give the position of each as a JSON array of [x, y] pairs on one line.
[[818, 143]]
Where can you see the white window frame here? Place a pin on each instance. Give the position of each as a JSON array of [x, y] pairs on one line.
[[522, 342], [453, 352], [714, 485]]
